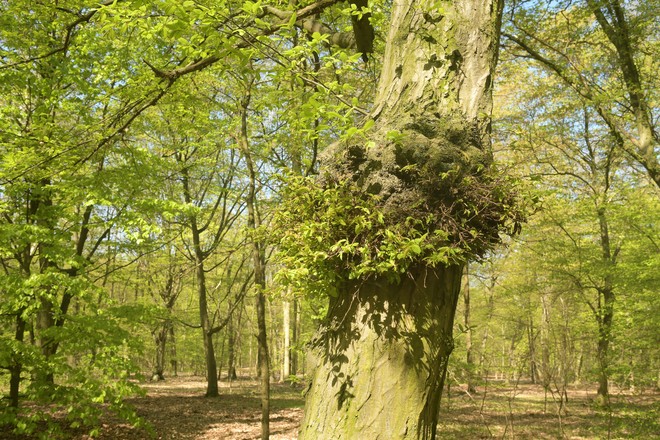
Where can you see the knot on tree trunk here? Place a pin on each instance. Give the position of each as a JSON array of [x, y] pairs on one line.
[[434, 170]]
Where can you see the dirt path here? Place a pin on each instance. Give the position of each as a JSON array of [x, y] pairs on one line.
[[177, 410]]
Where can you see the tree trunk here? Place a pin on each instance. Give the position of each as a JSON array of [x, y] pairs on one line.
[[231, 349], [469, 357], [294, 336], [531, 344], [200, 275], [45, 315], [382, 354], [546, 372], [44, 322], [490, 310], [207, 335], [286, 345], [606, 309], [264, 361], [160, 338], [173, 358], [16, 365], [383, 369], [258, 259]]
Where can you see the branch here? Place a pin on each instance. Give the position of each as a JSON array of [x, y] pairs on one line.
[[173, 75], [83, 18], [642, 150], [345, 40], [307, 11]]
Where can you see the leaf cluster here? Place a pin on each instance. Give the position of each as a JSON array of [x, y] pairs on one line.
[[328, 234]]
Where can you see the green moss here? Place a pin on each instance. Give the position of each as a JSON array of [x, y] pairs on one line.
[[423, 193]]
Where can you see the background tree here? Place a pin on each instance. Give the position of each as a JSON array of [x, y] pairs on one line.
[[584, 180], [605, 52]]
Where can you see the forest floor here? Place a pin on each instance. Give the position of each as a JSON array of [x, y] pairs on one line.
[[177, 410]]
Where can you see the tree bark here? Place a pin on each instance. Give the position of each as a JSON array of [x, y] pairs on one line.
[[294, 336], [160, 339], [531, 344], [382, 353], [546, 371], [173, 357], [259, 263], [383, 369], [205, 321], [469, 356], [200, 276], [490, 310], [231, 348], [16, 366], [606, 311], [286, 345]]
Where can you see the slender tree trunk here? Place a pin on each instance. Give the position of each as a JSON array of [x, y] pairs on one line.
[[286, 345], [45, 315], [231, 350], [264, 361], [16, 366], [274, 340], [546, 373], [532, 350], [490, 309], [200, 276], [258, 260], [606, 309], [207, 336], [174, 363], [469, 356], [294, 336]]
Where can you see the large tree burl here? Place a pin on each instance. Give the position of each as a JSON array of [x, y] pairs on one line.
[[412, 170]]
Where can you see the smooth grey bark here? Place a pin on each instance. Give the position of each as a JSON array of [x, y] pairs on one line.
[[605, 316], [382, 352]]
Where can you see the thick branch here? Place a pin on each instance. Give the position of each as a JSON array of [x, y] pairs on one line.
[[247, 41]]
